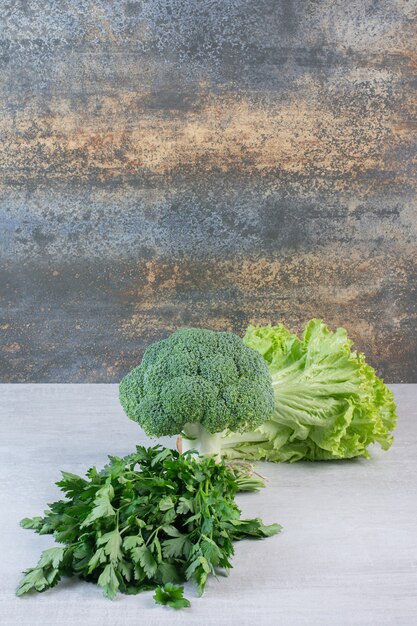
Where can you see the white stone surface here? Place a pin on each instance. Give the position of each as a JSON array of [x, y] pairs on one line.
[[347, 555]]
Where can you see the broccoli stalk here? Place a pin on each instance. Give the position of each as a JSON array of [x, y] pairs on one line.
[[196, 437], [200, 384], [224, 444]]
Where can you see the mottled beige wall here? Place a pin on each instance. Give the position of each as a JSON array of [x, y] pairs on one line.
[[170, 163]]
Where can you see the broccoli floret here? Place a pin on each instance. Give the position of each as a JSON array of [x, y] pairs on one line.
[[198, 383]]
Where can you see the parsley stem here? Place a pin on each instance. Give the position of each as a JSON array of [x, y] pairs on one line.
[[154, 532]]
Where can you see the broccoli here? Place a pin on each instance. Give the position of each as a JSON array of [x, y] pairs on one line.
[[198, 383]]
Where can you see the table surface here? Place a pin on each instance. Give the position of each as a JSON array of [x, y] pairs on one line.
[[347, 554]]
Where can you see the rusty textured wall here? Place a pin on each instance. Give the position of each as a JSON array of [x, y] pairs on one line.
[[204, 162]]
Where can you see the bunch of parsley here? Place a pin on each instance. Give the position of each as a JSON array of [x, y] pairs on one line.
[[150, 520]]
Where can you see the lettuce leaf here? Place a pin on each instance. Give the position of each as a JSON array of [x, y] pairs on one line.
[[330, 404]]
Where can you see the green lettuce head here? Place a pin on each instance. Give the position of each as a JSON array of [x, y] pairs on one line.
[[330, 404]]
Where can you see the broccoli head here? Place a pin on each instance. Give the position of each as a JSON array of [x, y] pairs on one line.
[[195, 380]]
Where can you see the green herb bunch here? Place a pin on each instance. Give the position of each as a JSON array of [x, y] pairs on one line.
[[150, 520]]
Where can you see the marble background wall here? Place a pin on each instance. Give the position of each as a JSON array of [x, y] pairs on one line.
[[204, 162]]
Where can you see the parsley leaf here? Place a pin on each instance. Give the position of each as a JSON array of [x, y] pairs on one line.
[[102, 505], [177, 546], [166, 503], [144, 556], [109, 581], [171, 595], [111, 542], [146, 521]]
